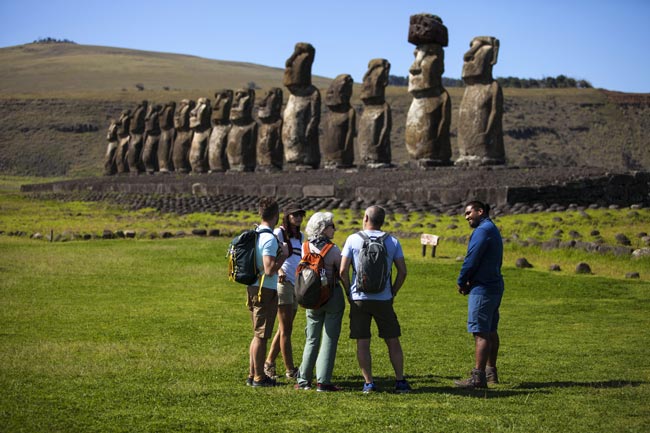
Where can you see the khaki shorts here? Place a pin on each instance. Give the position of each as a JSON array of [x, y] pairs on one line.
[[287, 294], [362, 313], [262, 312]]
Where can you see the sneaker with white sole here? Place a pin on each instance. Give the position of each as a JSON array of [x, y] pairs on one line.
[[369, 388]]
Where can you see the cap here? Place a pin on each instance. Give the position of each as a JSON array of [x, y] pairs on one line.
[[292, 208]]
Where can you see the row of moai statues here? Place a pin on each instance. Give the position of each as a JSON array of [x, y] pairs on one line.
[[428, 122], [200, 138]]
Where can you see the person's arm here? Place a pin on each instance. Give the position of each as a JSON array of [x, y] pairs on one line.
[[475, 250], [344, 272], [273, 263], [400, 266]]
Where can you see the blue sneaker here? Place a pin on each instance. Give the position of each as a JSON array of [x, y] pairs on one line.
[[369, 387], [402, 386]]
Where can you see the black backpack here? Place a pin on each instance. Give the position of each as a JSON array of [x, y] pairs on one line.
[[242, 266], [373, 270]]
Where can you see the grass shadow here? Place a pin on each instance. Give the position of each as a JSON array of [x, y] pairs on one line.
[[572, 384], [428, 384]]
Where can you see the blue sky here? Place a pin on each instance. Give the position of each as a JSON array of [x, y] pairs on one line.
[[602, 41]]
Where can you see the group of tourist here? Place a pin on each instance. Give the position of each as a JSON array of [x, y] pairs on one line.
[[278, 254]]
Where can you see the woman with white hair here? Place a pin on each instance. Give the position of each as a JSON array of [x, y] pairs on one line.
[[323, 324]]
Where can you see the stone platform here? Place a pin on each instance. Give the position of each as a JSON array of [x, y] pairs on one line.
[[442, 185]]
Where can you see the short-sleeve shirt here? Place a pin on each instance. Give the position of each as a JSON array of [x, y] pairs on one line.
[[351, 249], [295, 251], [267, 245]]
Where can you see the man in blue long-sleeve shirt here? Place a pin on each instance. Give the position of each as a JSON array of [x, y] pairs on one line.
[[480, 278]]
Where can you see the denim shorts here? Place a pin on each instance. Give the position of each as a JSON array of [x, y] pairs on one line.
[[483, 313]]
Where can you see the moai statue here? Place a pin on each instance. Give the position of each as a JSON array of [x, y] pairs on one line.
[[166, 141], [270, 154], [429, 117], [339, 128], [134, 155], [123, 126], [376, 120], [200, 124], [183, 140], [480, 129], [242, 138], [217, 158], [110, 166], [302, 113], [152, 140]]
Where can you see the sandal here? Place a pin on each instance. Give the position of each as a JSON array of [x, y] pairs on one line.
[[269, 369]]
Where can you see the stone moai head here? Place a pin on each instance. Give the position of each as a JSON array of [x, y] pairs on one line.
[[429, 36], [222, 105], [297, 72], [271, 104], [480, 58], [242, 105], [201, 113], [375, 81], [425, 74], [339, 91]]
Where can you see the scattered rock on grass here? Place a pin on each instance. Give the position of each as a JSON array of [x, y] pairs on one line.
[[554, 268], [641, 252], [523, 263], [632, 275], [622, 239], [583, 268]]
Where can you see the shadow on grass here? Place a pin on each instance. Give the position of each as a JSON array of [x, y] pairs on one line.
[[428, 384], [571, 384]]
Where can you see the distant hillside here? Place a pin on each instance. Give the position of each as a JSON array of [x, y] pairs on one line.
[[62, 67], [56, 101]]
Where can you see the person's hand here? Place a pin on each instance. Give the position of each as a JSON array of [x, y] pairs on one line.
[[463, 290], [282, 277], [285, 249]]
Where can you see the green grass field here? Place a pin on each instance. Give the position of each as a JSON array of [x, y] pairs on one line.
[[141, 335]]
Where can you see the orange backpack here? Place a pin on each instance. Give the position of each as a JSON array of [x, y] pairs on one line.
[[312, 288]]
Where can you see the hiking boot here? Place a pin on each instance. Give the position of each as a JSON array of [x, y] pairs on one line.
[[369, 388], [402, 386], [327, 387], [269, 369], [292, 374], [491, 375], [266, 382], [249, 381], [476, 380], [304, 386]]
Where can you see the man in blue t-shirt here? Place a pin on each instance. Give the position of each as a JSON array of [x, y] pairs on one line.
[[378, 306], [263, 295], [480, 278]]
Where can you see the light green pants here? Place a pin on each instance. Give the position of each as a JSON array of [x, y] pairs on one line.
[[322, 337]]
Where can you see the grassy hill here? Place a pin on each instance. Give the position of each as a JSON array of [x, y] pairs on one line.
[[56, 101]]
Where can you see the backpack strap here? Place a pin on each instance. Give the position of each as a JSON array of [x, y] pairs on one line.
[[259, 292]]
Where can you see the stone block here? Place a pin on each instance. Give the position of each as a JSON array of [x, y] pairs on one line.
[[318, 191]]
